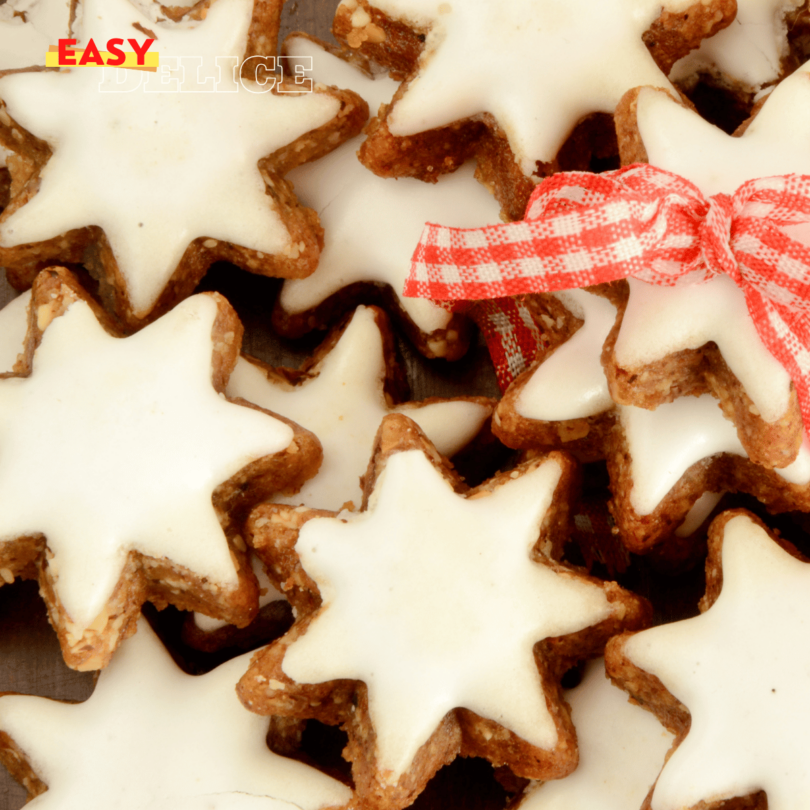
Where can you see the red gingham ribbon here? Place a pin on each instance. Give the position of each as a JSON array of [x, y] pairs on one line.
[[582, 229]]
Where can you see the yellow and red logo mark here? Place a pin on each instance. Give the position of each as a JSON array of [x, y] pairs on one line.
[[139, 58]]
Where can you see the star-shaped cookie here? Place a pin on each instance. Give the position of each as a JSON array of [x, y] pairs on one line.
[[661, 348], [152, 736], [123, 463], [483, 60], [341, 395], [165, 172], [371, 225], [731, 683], [668, 466], [415, 612], [13, 327], [747, 55], [697, 338]]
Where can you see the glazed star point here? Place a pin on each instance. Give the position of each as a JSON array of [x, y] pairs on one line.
[[114, 445], [662, 320], [156, 155], [212, 752], [570, 383], [371, 224], [351, 379], [774, 143], [600, 44], [432, 600], [751, 50], [739, 670]]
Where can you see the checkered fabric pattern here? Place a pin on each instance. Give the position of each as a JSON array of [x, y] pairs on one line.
[[582, 229], [513, 338]]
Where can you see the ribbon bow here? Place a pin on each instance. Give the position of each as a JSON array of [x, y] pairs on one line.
[[582, 229]]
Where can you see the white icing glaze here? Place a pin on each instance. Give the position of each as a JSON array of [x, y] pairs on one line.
[[701, 509], [372, 224], [621, 749], [114, 444], [664, 443], [571, 383], [750, 50], [775, 142], [267, 593], [741, 671], [24, 40], [433, 601], [661, 320], [13, 323], [343, 406], [504, 58], [152, 736], [156, 168]]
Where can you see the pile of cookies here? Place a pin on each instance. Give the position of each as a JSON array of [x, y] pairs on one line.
[[330, 509]]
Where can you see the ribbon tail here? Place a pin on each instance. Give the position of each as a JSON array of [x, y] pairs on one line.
[[786, 334], [512, 336]]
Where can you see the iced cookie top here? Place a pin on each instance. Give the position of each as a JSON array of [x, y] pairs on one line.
[[343, 404], [571, 383], [152, 736], [434, 602], [664, 443], [775, 142], [371, 224], [661, 320], [750, 51], [505, 59], [740, 669], [142, 159], [124, 440], [28, 27]]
